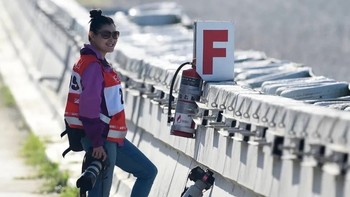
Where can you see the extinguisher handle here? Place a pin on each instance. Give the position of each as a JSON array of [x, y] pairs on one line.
[[171, 98]]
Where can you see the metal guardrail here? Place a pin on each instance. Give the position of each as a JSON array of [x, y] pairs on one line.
[[57, 30], [62, 27]]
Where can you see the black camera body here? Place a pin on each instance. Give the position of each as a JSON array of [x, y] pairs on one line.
[[91, 170], [198, 173], [203, 181]]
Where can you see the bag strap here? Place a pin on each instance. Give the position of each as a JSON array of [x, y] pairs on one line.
[[66, 151], [64, 133]]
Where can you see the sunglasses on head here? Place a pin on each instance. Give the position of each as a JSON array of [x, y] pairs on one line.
[[108, 34]]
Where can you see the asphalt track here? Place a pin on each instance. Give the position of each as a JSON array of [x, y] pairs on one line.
[[314, 32]]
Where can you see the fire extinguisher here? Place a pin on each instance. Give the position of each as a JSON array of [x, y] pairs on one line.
[[190, 91]]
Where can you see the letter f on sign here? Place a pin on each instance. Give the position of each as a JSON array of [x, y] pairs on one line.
[[209, 52]]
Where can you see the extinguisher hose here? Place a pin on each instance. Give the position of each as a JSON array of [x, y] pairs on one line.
[[171, 90]]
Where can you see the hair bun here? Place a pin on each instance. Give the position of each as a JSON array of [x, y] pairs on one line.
[[95, 13]]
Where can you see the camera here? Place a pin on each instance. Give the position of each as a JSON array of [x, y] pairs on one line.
[[203, 181], [91, 170]]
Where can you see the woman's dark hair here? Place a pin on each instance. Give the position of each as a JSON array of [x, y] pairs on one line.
[[98, 20]]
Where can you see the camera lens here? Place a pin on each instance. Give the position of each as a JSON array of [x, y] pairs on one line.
[[91, 169], [88, 178]]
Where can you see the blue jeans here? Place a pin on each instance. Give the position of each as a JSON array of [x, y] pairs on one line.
[[130, 159]]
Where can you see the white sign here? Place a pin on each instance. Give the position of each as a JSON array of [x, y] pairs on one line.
[[214, 50]]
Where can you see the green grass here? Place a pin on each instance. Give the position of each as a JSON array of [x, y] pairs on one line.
[[33, 151], [69, 192], [6, 96]]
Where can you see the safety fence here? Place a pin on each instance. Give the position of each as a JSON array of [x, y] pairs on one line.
[[277, 130]]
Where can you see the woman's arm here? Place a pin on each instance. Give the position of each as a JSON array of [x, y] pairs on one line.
[[90, 103]]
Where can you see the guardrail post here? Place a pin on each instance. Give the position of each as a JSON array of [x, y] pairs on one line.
[[66, 59]]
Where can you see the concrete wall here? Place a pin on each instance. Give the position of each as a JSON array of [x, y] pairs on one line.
[[290, 141]]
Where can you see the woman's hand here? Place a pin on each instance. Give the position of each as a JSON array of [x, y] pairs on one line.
[[99, 153]]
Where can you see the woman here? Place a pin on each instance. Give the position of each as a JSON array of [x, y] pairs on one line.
[[95, 104]]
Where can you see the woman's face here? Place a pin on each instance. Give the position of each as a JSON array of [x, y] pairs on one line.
[[105, 39]]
